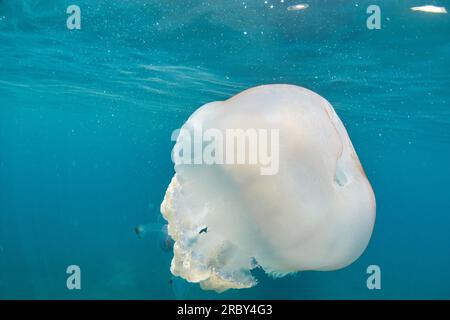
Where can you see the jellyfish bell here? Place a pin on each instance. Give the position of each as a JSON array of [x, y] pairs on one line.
[[316, 212]]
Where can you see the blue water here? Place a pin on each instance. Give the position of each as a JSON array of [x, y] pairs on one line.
[[86, 117]]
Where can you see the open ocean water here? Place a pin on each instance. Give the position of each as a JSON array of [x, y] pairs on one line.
[[86, 118]]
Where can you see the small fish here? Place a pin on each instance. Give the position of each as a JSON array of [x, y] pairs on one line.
[[204, 230], [430, 8], [300, 6], [140, 231]]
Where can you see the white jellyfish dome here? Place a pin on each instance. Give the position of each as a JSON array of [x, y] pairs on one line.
[[314, 211]]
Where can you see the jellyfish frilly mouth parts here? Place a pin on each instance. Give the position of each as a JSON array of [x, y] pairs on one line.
[[183, 263], [316, 213]]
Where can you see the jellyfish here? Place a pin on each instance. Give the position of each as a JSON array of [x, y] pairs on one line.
[[315, 212]]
